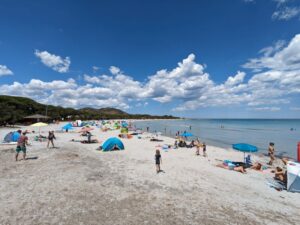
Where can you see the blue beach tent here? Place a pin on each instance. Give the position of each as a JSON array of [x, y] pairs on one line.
[[12, 137], [124, 124], [15, 136], [112, 143]]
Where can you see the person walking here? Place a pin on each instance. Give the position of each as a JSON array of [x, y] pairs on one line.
[[51, 137], [271, 152], [21, 145], [158, 160]]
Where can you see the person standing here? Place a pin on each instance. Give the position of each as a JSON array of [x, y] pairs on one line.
[[89, 136], [21, 145], [204, 149], [271, 152], [51, 137], [158, 161]]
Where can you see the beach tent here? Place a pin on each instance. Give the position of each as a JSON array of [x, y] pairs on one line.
[[68, 126], [12, 137], [293, 176], [124, 130], [112, 142], [78, 123], [15, 136], [124, 124]]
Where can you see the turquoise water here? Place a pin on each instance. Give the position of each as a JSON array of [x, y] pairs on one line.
[[225, 132]]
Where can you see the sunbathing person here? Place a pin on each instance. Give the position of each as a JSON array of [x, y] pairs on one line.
[[256, 166], [231, 166], [182, 143], [89, 142], [191, 145], [155, 139]]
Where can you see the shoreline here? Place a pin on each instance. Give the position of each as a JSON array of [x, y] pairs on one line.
[[213, 133]]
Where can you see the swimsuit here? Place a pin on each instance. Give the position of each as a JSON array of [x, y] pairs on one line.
[[157, 159]]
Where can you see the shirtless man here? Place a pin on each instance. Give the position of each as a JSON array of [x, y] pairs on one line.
[[21, 146]]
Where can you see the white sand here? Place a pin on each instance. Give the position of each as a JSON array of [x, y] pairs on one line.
[[76, 184]]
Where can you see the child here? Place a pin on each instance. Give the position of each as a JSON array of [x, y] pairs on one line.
[[204, 149], [158, 160]]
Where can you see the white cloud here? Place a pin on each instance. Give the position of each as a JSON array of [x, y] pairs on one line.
[[4, 71], [95, 68], [267, 51], [114, 70], [187, 85], [187, 80], [286, 13], [281, 2], [270, 109], [55, 62], [286, 59], [237, 79]]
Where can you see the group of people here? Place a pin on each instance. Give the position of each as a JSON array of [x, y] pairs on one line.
[[22, 143], [194, 143]]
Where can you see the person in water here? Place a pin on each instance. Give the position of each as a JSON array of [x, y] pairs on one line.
[[158, 160], [271, 152]]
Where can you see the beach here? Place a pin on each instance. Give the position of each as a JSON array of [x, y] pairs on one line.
[[77, 184]]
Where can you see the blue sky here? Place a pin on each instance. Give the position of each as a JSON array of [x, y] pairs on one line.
[[233, 58]]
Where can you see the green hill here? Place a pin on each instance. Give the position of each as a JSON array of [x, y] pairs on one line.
[[14, 109]]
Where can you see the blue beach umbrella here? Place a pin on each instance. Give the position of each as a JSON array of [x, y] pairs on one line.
[[243, 147], [186, 134]]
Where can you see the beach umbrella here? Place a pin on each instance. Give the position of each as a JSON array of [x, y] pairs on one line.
[[39, 125], [243, 147], [186, 134]]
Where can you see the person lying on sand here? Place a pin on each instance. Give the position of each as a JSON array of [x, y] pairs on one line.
[[155, 139], [231, 166], [256, 166], [191, 145], [89, 142], [182, 143]]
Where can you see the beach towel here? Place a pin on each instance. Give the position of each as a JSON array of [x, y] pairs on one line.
[[276, 184]]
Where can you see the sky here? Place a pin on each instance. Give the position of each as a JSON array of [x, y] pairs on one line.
[[189, 58]]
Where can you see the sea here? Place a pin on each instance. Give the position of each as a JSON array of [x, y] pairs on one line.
[[285, 133]]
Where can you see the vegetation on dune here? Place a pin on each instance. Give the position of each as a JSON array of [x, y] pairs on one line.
[[14, 109]]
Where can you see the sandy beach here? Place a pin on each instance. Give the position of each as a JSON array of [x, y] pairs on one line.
[[76, 184]]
